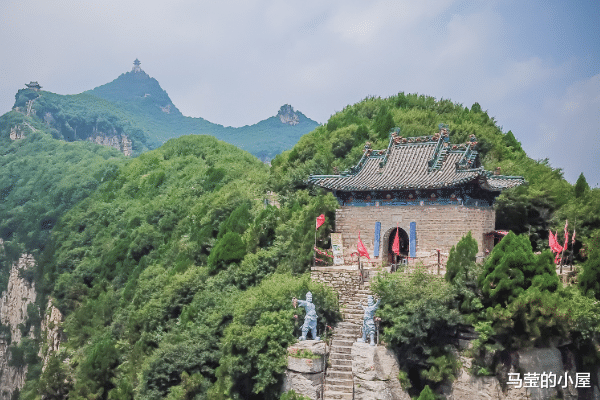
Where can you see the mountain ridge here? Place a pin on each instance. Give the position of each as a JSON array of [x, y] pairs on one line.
[[141, 95]]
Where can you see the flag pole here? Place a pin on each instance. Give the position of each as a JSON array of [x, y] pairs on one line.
[[573, 243], [314, 249], [561, 260]]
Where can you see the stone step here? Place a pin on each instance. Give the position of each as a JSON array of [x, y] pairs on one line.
[[351, 327], [344, 324], [339, 374], [341, 363], [344, 388], [341, 332], [335, 395], [342, 342], [341, 350], [340, 356]]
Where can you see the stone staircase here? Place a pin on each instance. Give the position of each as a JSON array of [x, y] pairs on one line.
[[338, 379], [339, 384]]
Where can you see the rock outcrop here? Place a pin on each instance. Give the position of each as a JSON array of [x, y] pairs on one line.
[[529, 363], [119, 142], [13, 312], [287, 115], [17, 132], [375, 370], [306, 368], [51, 332]]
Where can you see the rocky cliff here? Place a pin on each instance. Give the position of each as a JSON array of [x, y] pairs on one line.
[[287, 115], [13, 312]]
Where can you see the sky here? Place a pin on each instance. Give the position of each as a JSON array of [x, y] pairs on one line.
[[533, 65]]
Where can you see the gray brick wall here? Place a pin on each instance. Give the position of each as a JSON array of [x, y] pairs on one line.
[[437, 226]]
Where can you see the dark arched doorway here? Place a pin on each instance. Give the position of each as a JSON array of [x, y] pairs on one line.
[[403, 241]]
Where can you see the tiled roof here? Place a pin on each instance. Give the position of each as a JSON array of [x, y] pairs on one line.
[[429, 163]]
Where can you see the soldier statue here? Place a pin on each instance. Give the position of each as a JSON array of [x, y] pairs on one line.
[[368, 322], [310, 320]]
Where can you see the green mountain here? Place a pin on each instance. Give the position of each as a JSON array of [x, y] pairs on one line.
[[152, 109], [41, 178], [175, 276], [134, 114]]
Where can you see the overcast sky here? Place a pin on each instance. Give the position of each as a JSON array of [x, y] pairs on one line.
[[533, 65]]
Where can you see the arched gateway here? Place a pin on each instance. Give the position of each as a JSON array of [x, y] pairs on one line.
[[433, 191]]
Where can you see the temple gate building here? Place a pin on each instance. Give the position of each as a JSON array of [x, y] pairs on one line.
[[434, 192]]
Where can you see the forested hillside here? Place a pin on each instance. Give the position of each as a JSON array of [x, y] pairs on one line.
[[175, 275], [531, 209], [134, 114], [41, 179], [152, 109]]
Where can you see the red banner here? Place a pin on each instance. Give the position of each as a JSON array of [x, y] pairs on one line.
[[320, 220], [396, 245], [361, 248], [553, 243], [566, 235]]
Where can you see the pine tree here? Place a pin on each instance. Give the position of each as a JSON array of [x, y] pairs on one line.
[[589, 280], [426, 394], [512, 268], [461, 256], [581, 186], [384, 122]]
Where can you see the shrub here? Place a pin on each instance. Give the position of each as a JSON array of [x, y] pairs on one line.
[[263, 327]]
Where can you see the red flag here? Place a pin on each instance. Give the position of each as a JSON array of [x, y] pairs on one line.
[[361, 248], [320, 220], [566, 234], [573, 238], [396, 245], [553, 243]]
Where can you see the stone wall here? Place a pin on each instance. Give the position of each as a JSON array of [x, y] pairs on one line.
[[437, 226], [345, 282]]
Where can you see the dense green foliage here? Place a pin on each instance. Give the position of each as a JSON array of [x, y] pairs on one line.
[[150, 270], [461, 256], [82, 117], [418, 316], [176, 277], [581, 186], [143, 98], [41, 179], [426, 394], [263, 327], [589, 279]]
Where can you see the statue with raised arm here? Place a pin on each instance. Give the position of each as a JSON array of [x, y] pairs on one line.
[[368, 320], [310, 320]]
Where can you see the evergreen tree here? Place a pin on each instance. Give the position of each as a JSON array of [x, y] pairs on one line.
[[383, 122], [230, 248], [462, 272], [512, 268], [581, 186], [503, 278], [589, 280], [510, 140], [426, 394], [461, 256]]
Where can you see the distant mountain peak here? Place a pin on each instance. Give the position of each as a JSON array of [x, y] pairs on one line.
[[287, 115]]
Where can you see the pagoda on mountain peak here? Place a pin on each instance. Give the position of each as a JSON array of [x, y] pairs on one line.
[[136, 66], [34, 86]]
